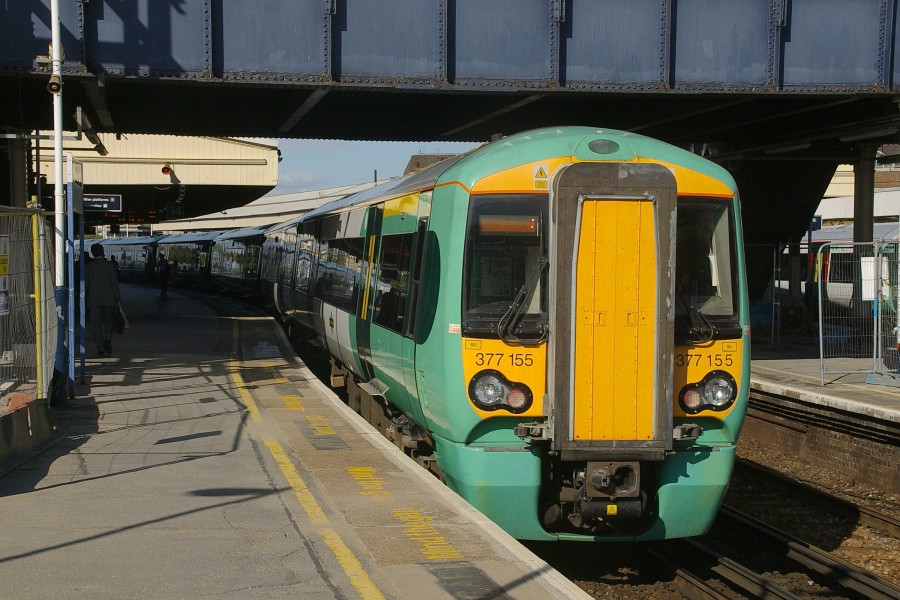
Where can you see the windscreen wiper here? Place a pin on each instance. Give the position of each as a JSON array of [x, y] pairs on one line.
[[514, 313], [706, 330]]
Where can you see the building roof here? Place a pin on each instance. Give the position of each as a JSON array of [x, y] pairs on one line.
[[882, 232], [264, 211]]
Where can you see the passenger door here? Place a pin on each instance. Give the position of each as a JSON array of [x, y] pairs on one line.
[[613, 324]]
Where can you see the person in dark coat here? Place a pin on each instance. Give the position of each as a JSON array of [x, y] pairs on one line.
[[162, 270], [102, 299]]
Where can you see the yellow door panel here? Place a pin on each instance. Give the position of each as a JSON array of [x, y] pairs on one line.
[[615, 336]]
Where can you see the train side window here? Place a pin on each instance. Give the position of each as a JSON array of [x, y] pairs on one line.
[[339, 274], [304, 261], [289, 245], [843, 265], [392, 283]]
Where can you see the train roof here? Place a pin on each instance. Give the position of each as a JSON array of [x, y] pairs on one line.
[[285, 225], [407, 184], [188, 238], [127, 241], [244, 232], [557, 141]]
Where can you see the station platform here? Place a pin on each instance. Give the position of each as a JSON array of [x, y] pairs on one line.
[[203, 459], [794, 369]]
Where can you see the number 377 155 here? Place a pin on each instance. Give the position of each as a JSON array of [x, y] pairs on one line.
[[704, 360], [503, 359]]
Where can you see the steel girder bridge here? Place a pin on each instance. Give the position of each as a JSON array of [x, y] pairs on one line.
[[779, 91]]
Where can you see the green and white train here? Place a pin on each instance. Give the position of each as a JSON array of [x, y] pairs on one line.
[[556, 323]]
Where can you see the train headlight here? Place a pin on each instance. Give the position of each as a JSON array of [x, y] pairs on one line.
[[490, 390], [717, 391]]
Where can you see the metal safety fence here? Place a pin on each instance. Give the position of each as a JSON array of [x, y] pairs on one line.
[[857, 288], [781, 309], [28, 315]]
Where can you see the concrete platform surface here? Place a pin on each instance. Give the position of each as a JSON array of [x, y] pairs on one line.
[[795, 370], [203, 460]]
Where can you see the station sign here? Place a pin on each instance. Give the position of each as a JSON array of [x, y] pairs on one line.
[[816, 223], [103, 202]]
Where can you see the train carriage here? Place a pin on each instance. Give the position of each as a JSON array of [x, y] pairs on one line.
[[134, 256], [561, 315], [285, 272], [189, 257], [235, 260]]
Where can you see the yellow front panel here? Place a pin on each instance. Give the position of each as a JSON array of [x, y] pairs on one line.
[[693, 183], [531, 177], [615, 331], [693, 363], [519, 364]]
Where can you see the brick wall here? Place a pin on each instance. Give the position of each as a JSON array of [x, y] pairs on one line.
[[862, 448]]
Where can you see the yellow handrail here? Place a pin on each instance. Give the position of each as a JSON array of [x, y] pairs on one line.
[[38, 311]]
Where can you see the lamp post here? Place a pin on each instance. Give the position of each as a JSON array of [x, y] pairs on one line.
[[55, 88]]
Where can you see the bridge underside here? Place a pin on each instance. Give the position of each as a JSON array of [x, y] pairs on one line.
[[778, 91]]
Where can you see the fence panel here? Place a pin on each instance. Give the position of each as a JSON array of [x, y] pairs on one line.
[[857, 292], [889, 294], [28, 316]]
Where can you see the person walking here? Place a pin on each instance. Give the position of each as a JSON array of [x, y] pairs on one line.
[[162, 270], [102, 300]]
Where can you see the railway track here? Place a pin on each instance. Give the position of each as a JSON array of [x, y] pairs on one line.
[[833, 568], [869, 517], [704, 572], [766, 563]]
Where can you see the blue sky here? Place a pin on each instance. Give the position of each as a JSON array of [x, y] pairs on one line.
[[318, 164]]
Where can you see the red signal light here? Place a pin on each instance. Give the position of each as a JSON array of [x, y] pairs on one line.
[[167, 169]]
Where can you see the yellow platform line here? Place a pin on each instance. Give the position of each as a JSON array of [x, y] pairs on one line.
[[241, 387], [277, 378], [344, 555], [351, 566], [307, 500], [234, 368]]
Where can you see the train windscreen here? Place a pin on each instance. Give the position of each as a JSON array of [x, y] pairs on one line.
[[505, 284], [706, 300]]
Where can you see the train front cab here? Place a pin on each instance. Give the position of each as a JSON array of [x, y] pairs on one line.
[[638, 407]]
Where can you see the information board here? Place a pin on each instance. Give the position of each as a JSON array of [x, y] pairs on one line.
[[103, 202]]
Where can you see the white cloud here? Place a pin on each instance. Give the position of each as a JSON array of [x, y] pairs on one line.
[[298, 178]]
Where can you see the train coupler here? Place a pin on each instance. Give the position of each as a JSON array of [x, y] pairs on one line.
[[607, 510]]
